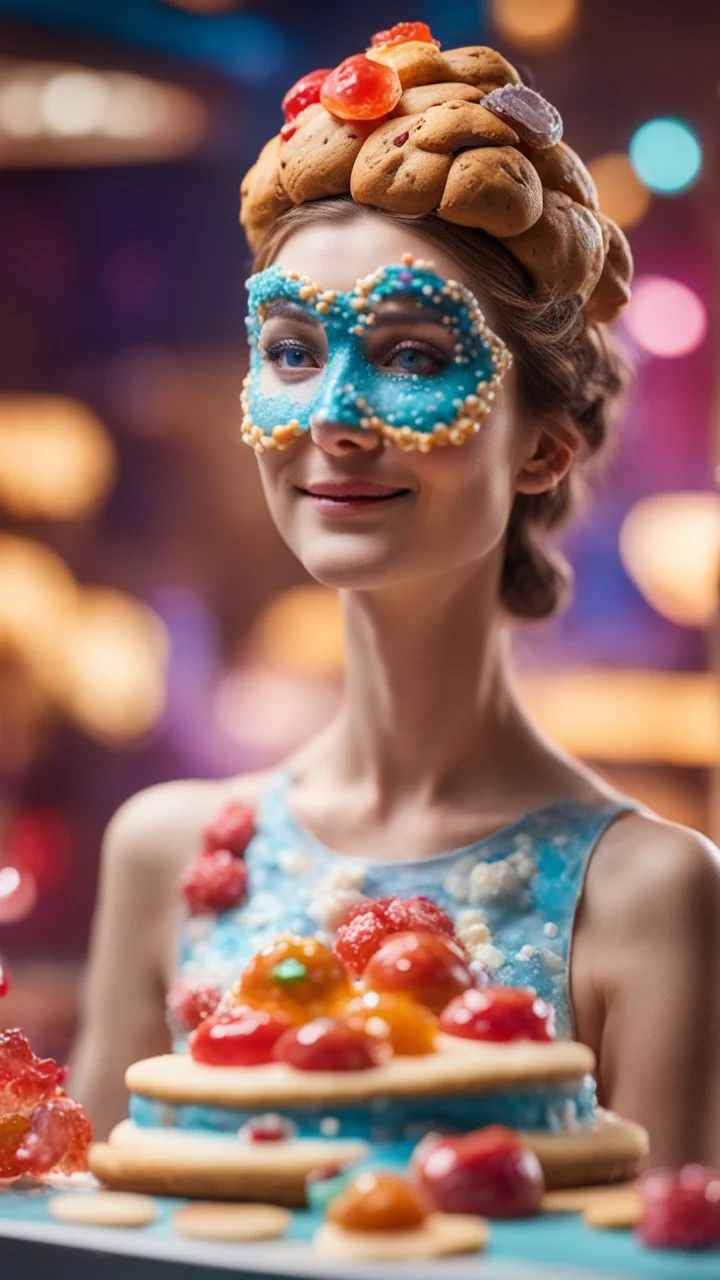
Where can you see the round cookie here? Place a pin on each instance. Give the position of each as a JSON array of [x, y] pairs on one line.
[[231, 1222], [614, 1209], [479, 65], [578, 1199], [440, 1235], [456, 124], [563, 251], [608, 1151], [561, 169], [612, 290], [104, 1209], [495, 189], [392, 173], [416, 62], [262, 196], [422, 96], [318, 159]]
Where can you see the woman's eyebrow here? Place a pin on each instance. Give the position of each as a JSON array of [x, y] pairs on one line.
[[402, 314], [284, 307]]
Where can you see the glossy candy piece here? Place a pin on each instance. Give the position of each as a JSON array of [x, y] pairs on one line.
[[536, 120], [25, 1080], [410, 1028], [215, 881], [299, 975], [4, 980], [189, 1004], [368, 924], [57, 1140], [12, 1131], [239, 1037], [376, 1201], [360, 88], [401, 32], [233, 829], [431, 968], [488, 1173], [680, 1208], [303, 93], [499, 1014], [270, 1127], [327, 1044]]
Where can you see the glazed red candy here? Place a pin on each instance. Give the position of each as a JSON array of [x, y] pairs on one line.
[[239, 1037], [25, 1080], [327, 1044], [303, 93], [215, 881], [499, 1014], [12, 1131], [488, 1172], [360, 88], [403, 31], [232, 829], [368, 924], [680, 1208], [57, 1139], [431, 968], [188, 1005]]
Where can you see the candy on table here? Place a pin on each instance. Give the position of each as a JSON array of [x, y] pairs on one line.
[[323, 1185], [215, 881], [188, 1003], [41, 1130], [361, 88], [301, 976], [430, 967], [488, 1173], [499, 1014], [232, 829], [12, 1131], [238, 1037], [680, 1208], [25, 1080], [270, 1127], [379, 1202], [394, 1016], [368, 924], [328, 1044], [57, 1140], [401, 32]]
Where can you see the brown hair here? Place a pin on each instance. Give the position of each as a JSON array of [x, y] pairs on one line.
[[564, 364]]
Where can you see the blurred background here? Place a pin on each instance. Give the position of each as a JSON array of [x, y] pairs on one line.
[[152, 624]]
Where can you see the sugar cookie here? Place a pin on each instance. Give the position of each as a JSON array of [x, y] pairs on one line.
[[104, 1209], [231, 1221]]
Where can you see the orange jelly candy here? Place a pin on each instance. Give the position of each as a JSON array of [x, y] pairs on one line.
[[379, 1202], [300, 976], [403, 31], [12, 1132], [361, 88], [392, 1015]]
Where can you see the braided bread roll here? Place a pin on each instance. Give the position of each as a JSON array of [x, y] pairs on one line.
[[441, 150]]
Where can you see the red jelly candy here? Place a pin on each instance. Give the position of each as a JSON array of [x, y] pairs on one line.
[[240, 1037], [270, 1127], [403, 31], [428, 966], [232, 829], [500, 1014], [680, 1208], [361, 89], [24, 1079], [57, 1140], [489, 1173], [4, 980], [326, 1044], [368, 924], [188, 1005], [12, 1131], [215, 882], [303, 93]]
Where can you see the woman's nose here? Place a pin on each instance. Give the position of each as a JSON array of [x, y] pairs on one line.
[[342, 437]]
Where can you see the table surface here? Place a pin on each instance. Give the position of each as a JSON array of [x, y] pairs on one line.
[[555, 1247]]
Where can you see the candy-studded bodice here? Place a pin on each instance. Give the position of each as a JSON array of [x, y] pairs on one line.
[[513, 895]]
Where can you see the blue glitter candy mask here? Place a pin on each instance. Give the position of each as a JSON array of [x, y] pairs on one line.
[[413, 410]]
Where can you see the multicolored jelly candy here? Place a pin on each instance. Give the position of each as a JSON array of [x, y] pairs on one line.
[[301, 976]]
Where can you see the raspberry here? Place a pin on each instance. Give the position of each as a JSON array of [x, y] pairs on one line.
[[24, 1079], [232, 829], [215, 882], [680, 1208], [188, 1005], [368, 924], [57, 1140], [403, 31]]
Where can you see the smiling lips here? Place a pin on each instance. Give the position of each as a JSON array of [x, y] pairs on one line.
[[342, 496]]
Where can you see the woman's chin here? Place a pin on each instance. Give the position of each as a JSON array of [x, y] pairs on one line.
[[352, 569]]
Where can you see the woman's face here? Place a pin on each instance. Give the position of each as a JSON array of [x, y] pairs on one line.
[[434, 511]]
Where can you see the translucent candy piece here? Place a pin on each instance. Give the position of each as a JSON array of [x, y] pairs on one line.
[[57, 1140], [12, 1131], [536, 120], [361, 88], [379, 1202], [25, 1080]]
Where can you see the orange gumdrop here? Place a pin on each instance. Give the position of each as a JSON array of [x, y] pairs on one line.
[[12, 1131], [361, 88], [299, 976], [392, 1015], [379, 1202]]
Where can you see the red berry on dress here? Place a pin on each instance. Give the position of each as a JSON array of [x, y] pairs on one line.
[[215, 882], [368, 924], [232, 829], [361, 88], [499, 1014], [189, 1004], [403, 31]]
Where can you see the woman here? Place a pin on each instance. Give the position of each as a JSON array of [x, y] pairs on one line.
[[369, 317]]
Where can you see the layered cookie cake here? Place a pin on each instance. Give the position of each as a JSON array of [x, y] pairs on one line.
[[321, 1059]]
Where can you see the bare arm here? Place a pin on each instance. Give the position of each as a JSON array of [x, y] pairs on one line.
[[650, 984]]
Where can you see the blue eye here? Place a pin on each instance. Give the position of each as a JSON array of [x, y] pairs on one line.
[[296, 356], [412, 357]]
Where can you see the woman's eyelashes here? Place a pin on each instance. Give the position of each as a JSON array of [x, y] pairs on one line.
[[294, 359]]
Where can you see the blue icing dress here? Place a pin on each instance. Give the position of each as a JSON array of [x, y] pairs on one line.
[[513, 895]]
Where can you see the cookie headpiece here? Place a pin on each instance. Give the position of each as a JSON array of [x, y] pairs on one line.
[[413, 129]]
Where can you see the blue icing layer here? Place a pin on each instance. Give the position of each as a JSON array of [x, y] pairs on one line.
[[392, 1119]]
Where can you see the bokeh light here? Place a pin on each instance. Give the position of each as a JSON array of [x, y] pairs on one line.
[[665, 316], [56, 459], [271, 712], [38, 597], [18, 894], [670, 547], [535, 25], [38, 841], [622, 195], [301, 631], [666, 154]]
